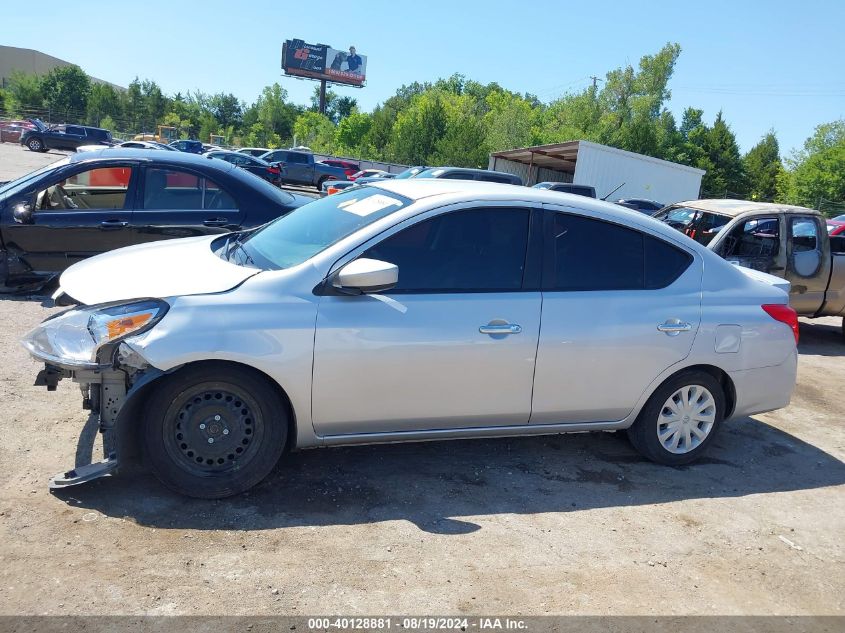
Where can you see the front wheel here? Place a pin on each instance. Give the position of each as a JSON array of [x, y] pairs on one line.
[[214, 431], [36, 145], [679, 421]]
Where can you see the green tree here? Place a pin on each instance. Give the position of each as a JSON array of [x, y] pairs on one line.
[[418, 129], [762, 167], [227, 109], [274, 113], [509, 121], [316, 131], [464, 142], [103, 101], [350, 132], [816, 173], [25, 93], [66, 90], [725, 174]]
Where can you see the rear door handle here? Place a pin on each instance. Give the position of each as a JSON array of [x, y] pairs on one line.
[[507, 328], [113, 224], [216, 222], [673, 327]]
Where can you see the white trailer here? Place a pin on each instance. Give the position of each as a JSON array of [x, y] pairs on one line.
[[602, 167]]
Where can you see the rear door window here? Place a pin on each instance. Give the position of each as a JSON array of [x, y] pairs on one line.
[[586, 254], [173, 189]]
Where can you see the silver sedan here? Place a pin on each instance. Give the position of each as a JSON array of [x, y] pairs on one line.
[[414, 310]]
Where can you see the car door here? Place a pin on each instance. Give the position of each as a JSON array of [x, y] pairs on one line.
[[179, 202], [620, 307], [74, 136], [808, 262], [299, 169], [78, 213], [451, 346]]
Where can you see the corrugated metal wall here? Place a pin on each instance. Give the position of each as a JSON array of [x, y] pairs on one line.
[[606, 168], [541, 174]]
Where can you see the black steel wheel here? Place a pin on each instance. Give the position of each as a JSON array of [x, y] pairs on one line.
[[214, 430]]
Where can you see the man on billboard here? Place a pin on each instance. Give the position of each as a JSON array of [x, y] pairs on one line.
[[353, 61]]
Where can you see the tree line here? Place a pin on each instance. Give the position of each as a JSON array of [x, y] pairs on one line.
[[459, 121]]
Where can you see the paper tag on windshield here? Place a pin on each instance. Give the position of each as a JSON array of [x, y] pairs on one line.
[[369, 205]]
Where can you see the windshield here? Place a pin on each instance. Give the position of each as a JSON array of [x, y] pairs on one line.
[[411, 172], [310, 229], [16, 185]]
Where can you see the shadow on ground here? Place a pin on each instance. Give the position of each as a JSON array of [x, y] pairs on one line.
[[821, 339], [434, 485]]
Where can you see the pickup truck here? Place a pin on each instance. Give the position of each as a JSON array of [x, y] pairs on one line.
[[782, 240], [300, 168]]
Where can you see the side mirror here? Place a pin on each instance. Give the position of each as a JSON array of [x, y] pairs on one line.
[[365, 276], [22, 212]]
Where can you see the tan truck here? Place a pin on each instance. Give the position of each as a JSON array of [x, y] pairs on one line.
[[786, 241]]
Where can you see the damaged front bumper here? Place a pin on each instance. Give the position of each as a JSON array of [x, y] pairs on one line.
[[103, 394], [106, 389]]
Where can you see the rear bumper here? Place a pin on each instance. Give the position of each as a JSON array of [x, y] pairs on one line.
[[765, 388]]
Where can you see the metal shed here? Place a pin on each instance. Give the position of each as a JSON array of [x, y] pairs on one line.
[[603, 167]]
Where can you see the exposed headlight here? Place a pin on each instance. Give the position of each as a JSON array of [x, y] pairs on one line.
[[74, 337]]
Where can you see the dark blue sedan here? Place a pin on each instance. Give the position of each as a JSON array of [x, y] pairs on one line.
[[97, 201], [270, 173]]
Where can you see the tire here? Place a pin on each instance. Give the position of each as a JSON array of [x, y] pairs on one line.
[[237, 408], [322, 181], [36, 145], [704, 415]]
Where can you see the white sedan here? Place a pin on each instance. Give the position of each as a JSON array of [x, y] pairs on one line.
[[414, 310]]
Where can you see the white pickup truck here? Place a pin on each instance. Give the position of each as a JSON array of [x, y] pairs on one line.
[[782, 240]]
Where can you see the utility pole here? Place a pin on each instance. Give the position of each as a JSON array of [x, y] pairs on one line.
[[595, 80], [322, 96]]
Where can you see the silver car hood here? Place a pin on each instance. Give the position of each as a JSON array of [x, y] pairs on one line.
[[157, 270]]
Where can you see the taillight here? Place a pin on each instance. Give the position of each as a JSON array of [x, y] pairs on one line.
[[274, 170], [783, 313], [331, 190], [348, 172]]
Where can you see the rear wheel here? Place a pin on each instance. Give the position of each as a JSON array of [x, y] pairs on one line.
[[323, 180], [214, 431], [36, 145], [679, 421]]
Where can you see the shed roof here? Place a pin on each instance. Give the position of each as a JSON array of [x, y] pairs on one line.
[[564, 156]]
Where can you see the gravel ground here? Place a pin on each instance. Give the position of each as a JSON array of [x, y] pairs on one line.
[[573, 524]]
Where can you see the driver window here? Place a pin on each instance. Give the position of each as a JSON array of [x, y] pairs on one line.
[[102, 188], [758, 237]]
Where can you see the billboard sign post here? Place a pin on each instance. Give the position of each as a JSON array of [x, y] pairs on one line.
[[324, 63]]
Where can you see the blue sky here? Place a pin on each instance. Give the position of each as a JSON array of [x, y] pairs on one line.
[[766, 64]]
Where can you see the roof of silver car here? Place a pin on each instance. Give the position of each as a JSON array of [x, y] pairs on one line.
[[734, 208]]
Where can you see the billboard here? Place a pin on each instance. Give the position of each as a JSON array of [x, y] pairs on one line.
[[320, 61]]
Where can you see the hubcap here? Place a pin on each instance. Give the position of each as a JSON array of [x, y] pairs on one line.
[[212, 430], [686, 419]]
